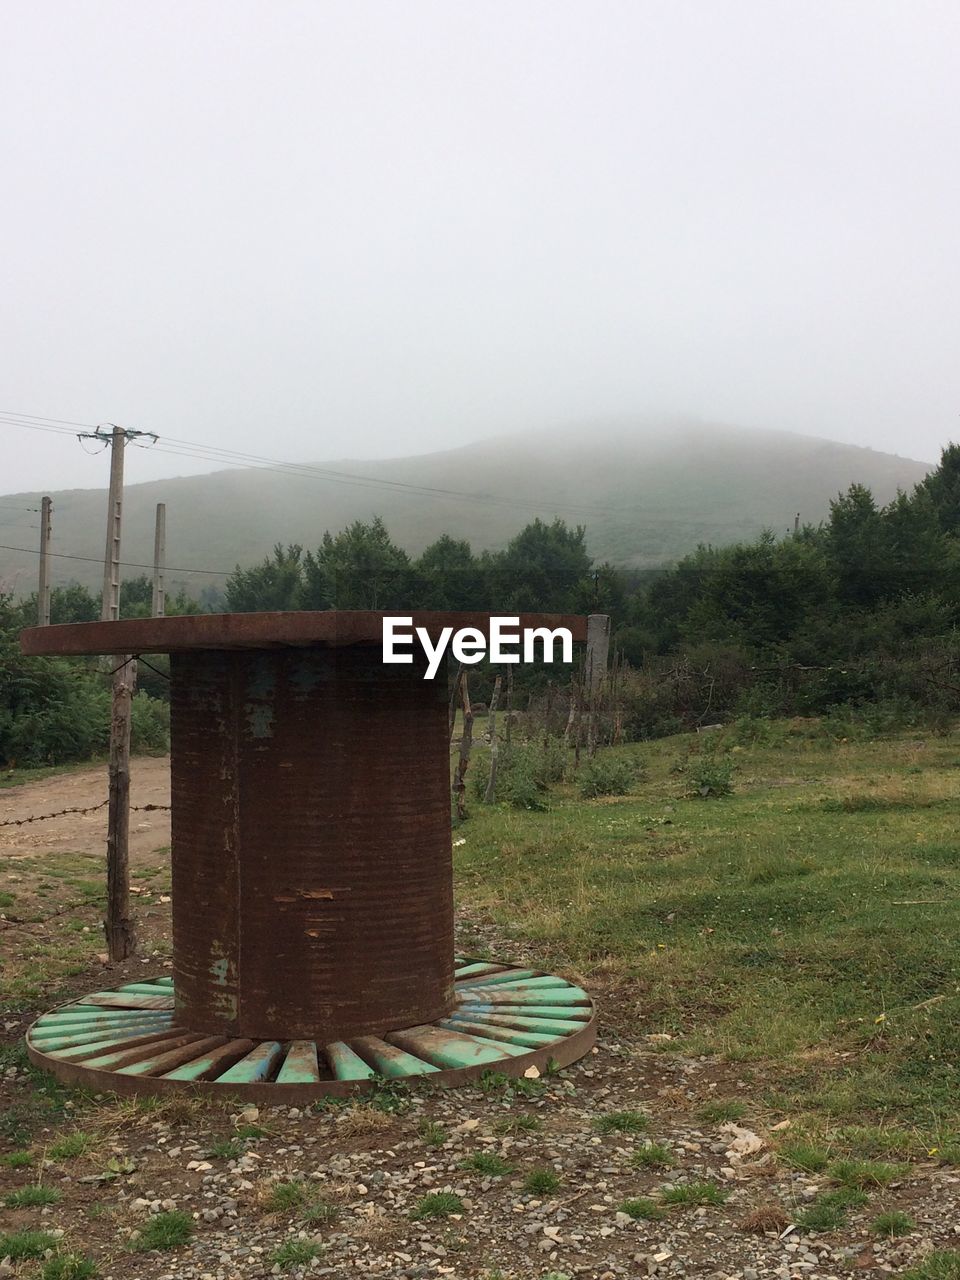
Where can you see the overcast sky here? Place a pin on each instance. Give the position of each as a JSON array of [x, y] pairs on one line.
[[352, 228]]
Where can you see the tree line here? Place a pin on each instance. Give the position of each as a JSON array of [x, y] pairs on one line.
[[855, 617]]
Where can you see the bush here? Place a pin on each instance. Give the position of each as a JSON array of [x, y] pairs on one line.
[[710, 776], [520, 779], [149, 724], [606, 775]]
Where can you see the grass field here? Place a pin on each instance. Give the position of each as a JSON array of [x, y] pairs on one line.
[[808, 921]]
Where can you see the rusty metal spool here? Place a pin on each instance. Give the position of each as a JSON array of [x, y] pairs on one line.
[[312, 876]]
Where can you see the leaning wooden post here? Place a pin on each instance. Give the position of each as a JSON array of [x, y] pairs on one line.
[[492, 780], [466, 741], [598, 649], [43, 586], [454, 696], [118, 925]]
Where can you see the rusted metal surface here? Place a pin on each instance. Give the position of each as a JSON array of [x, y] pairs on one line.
[[330, 628], [312, 876], [450, 1051]]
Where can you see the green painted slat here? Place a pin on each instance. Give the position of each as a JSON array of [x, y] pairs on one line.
[[525, 993], [345, 1064], [210, 1063], [508, 976], [532, 1039], [132, 1000], [452, 1049], [164, 982], [551, 1027], [115, 1050], [300, 1065], [576, 1013], [64, 1026], [478, 967], [390, 1060], [145, 989], [108, 1035], [255, 1066], [166, 1059]]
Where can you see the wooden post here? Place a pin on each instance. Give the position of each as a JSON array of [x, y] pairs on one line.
[[159, 556], [118, 927], [466, 741], [491, 791], [598, 649], [43, 586], [508, 724], [452, 713]]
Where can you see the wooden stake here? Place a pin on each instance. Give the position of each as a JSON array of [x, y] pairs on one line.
[[43, 586], [466, 741], [598, 649], [118, 926], [159, 556], [490, 794]]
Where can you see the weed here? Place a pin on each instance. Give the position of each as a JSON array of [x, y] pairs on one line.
[[690, 1194], [284, 1196], [720, 1110], [70, 1146], [766, 1217], [163, 1231], [17, 1159], [439, 1204], [522, 1123], [865, 1173], [20, 1245], [433, 1134], [487, 1163], [540, 1182], [320, 1213], [622, 1122], [295, 1253], [821, 1217], [805, 1156], [250, 1132], [606, 775], [652, 1155], [942, 1264], [226, 1148], [893, 1223], [710, 777], [641, 1207], [31, 1197], [68, 1266]]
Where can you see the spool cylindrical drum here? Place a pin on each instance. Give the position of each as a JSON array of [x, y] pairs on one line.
[[312, 881]]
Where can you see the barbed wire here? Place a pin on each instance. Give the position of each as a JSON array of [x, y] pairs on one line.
[[60, 813]]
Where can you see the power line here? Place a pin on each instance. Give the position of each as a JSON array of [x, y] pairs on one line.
[[127, 564]]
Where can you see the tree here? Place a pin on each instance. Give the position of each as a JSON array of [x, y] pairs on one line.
[[274, 584], [360, 568], [546, 567], [942, 487], [448, 576]]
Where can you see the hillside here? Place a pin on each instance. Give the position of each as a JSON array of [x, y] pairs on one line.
[[646, 495]]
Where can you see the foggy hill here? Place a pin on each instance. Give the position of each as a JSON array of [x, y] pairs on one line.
[[646, 494]]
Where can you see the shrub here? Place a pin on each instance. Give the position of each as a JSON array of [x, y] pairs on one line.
[[607, 775], [711, 777], [149, 724]]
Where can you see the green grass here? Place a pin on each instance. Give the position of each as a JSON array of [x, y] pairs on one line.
[[31, 1197], [762, 928], [71, 1146], [433, 1134], [487, 1163], [226, 1148], [806, 1156], [720, 1110], [541, 1182], [320, 1213], [68, 1266], [438, 1204], [295, 1253], [653, 1155], [829, 1211], [522, 1123], [17, 1159], [284, 1196], [641, 1207], [164, 1231], [694, 1194], [942, 1264], [893, 1223], [865, 1173], [622, 1122], [22, 1245]]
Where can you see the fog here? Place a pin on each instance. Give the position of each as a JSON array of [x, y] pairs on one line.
[[358, 229]]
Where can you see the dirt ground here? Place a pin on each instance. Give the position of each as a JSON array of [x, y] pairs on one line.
[[82, 789], [340, 1191]]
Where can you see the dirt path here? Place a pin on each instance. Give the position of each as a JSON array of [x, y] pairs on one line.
[[85, 833]]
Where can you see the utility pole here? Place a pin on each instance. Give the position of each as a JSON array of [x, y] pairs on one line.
[[159, 556], [118, 925], [796, 524], [43, 586]]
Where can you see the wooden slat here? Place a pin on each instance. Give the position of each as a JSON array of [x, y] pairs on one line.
[[159, 1064], [210, 1065], [389, 1060], [257, 1065], [345, 1064], [300, 1065]]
